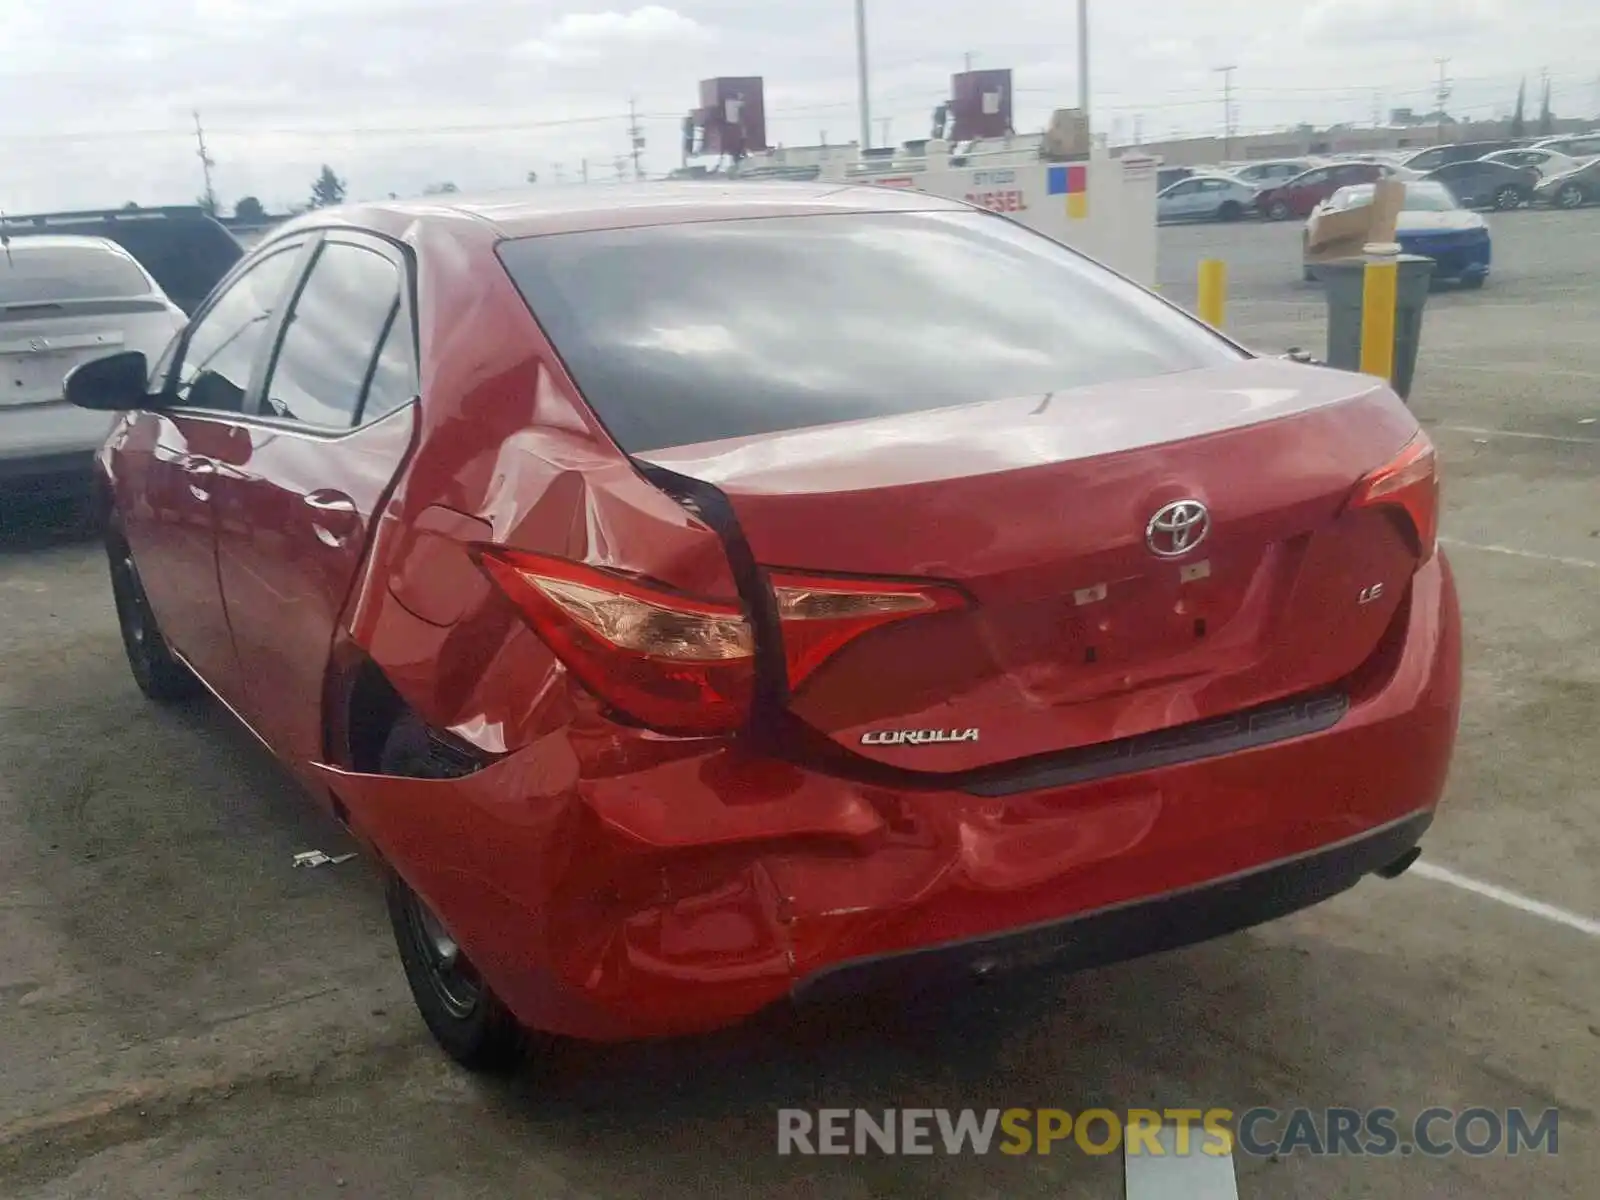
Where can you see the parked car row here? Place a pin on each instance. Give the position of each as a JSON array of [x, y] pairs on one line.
[[1563, 172]]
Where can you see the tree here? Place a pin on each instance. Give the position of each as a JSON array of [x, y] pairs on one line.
[[207, 203], [440, 189], [1546, 120], [250, 210], [327, 190], [533, 177], [130, 206], [1519, 124]]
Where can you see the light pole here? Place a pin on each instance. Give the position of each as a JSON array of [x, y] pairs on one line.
[[1083, 60], [861, 72]]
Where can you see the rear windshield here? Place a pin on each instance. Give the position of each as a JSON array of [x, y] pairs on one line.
[[689, 333], [43, 274]]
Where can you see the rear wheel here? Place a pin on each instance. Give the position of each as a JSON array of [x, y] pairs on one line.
[[1231, 210], [1571, 196], [1474, 281], [464, 1015], [1278, 210], [160, 676], [1508, 198]]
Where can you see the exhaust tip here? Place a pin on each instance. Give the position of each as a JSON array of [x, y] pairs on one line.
[[1400, 865]]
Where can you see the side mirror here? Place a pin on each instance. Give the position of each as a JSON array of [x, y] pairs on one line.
[[114, 383]]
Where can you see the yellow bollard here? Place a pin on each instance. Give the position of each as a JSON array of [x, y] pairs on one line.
[[1213, 291], [1379, 292]]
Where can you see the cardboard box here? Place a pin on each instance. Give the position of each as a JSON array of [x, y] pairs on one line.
[[1344, 233]]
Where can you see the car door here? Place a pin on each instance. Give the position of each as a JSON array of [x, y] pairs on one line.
[[166, 461], [1177, 202], [330, 425], [1309, 190]]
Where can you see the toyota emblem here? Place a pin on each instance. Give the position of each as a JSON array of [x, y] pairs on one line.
[[1177, 528]]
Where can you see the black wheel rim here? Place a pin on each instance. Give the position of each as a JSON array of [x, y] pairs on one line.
[[1507, 199], [451, 976]]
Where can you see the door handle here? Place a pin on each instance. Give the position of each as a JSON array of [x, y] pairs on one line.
[[199, 469], [334, 516]]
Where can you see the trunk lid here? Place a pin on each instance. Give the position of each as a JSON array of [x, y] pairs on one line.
[[41, 343], [1040, 508]]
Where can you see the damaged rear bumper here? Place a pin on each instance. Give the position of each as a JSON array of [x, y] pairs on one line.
[[611, 886]]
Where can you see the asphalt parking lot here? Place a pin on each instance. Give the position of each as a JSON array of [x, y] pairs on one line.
[[184, 1014]]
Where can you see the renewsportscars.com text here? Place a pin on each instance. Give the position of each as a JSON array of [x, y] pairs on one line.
[[1256, 1132]]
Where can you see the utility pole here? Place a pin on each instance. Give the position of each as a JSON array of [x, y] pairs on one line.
[[1138, 129], [1441, 95], [635, 137], [884, 124], [206, 163], [1377, 109], [1083, 61], [1227, 110], [586, 170], [861, 75], [966, 61]]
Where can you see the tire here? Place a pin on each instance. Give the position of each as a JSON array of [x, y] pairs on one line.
[[1508, 198], [466, 1018], [1571, 196], [1474, 281], [1231, 210], [1278, 211], [160, 676]]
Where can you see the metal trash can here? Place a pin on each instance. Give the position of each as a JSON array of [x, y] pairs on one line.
[[1345, 279]]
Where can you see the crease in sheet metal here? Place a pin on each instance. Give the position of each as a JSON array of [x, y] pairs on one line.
[[1171, 1176]]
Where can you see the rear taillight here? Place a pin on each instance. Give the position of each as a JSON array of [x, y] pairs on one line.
[[686, 664], [1408, 484], [820, 615], [677, 663]]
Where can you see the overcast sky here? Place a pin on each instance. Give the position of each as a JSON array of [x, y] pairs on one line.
[[96, 97]]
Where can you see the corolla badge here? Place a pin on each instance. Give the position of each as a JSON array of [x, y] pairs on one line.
[[1177, 528], [917, 737]]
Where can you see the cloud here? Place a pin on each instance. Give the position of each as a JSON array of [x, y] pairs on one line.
[[1365, 22], [590, 37]]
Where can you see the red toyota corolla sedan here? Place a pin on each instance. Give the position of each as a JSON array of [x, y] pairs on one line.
[[699, 597]]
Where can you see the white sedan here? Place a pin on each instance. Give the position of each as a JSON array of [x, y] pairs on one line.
[[1205, 198], [1546, 162]]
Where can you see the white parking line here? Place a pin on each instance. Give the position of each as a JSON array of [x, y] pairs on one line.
[[1491, 891], [1561, 559], [1474, 431], [1170, 1176]]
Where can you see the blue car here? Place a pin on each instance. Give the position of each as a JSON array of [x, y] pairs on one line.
[[1432, 223]]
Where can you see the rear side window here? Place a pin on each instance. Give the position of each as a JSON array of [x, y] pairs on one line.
[[679, 334], [46, 274], [332, 339]]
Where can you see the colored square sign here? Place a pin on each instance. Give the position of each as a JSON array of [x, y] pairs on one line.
[[1073, 183]]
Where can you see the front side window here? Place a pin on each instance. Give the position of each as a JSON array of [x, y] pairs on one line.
[[695, 332], [333, 336], [224, 342]]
